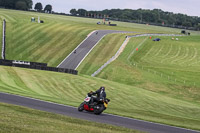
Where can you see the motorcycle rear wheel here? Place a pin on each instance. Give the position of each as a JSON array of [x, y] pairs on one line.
[[99, 110]]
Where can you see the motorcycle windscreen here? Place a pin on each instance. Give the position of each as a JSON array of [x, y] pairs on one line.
[[87, 99]]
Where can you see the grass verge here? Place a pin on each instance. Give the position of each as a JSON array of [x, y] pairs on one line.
[[22, 120], [125, 100]]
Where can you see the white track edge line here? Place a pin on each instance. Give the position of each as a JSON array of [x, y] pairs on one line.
[[78, 46], [90, 51], [95, 46], [36, 99], [152, 122]]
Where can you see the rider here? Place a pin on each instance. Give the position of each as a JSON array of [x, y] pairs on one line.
[[101, 94]]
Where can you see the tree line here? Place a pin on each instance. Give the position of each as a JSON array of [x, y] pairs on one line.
[[24, 5], [155, 16], [16, 4]]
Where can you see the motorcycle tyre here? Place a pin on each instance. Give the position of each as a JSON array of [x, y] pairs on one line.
[[99, 111], [81, 107]]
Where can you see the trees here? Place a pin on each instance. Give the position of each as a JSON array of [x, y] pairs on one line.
[[81, 12], [16, 4], [21, 5], [38, 7], [197, 26], [48, 8], [10, 4], [155, 17], [73, 12], [187, 24], [29, 3]]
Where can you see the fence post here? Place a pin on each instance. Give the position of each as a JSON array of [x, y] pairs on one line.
[[3, 40]]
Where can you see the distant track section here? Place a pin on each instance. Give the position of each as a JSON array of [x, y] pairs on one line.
[[74, 59]]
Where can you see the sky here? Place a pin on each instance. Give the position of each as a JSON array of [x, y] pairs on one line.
[[189, 7]]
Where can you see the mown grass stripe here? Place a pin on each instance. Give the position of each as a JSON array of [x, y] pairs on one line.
[[191, 56], [7, 18], [22, 41], [42, 42], [19, 46], [52, 44], [59, 47], [182, 56]]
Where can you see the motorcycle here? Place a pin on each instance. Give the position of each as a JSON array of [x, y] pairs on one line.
[[97, 107]]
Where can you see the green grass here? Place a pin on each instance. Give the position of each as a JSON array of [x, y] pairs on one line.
[[168, 67], [52, 41], [140, 91], [69, 89], [22, 120], [101, 53]]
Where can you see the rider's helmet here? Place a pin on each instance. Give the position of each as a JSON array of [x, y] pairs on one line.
[[102, 88]]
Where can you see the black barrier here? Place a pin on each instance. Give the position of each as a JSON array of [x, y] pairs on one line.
[[38, 64], [113, 24], [35, 65]]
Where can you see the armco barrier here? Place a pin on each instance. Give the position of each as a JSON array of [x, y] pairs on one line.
[[35, 65]]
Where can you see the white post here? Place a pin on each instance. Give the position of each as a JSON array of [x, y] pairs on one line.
[[3, 40], [38, 19]]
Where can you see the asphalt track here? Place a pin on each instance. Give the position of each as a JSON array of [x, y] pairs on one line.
[[73, 60], [104, 118]]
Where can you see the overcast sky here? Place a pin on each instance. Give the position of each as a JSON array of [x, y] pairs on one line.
[[189, 7]]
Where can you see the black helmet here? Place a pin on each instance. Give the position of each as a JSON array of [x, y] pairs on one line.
[[102, 88]]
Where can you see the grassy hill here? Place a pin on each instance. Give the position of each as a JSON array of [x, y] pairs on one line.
[[158, 83], [53, 40], [126, 100], [169, 67]]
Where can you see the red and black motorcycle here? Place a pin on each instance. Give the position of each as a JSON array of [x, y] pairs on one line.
[[97, 107]]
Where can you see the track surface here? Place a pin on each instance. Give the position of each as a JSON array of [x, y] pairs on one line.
[[104, 118], [73, 60]]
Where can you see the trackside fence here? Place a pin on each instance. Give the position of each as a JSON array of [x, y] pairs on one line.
[[172, 78], [35, 65]]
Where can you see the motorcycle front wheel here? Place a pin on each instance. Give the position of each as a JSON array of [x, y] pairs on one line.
[[81, 107]]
